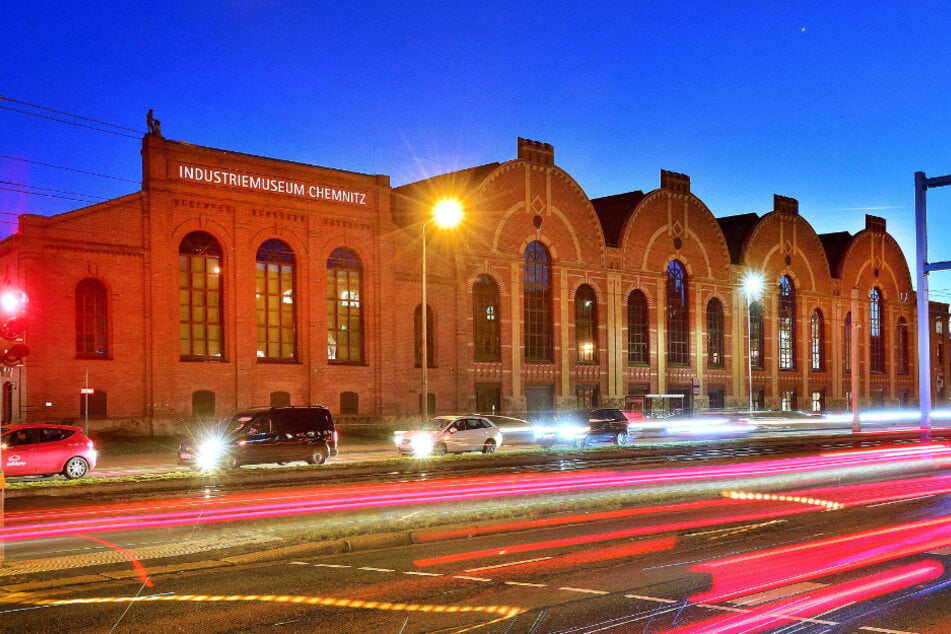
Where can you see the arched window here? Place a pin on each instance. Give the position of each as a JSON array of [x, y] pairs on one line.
[[787, 324], [274, 295], [876, 318], [349, 403], [536, 280], [678, 315], [638, 343], [430, 337], [344, 314], [817, 341], [714, 333], [902, 346], [847, 348], [586, 324], [200, 298], [203, 404], [485, 319], [91, 320], [756, 336]]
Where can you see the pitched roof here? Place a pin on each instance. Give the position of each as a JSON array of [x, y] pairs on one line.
[[736, 229], [613, 211]]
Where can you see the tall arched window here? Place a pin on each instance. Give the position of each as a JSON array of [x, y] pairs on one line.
[[678, 315], [536, 281], [787, 324], [274, 294], [418, 339], [638, 343], [901, 365], [847, 337], [714, 333], [876, 318], [817, 341], [200, 298], [91, 320], [586, 324], [485, 319], [756, 336], [344, 314]]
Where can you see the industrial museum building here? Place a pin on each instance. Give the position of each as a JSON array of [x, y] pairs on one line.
[[233, 280]]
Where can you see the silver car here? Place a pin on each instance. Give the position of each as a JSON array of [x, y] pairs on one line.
[[450, 434]]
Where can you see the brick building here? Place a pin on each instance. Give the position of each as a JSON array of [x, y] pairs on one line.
[[232, 280]]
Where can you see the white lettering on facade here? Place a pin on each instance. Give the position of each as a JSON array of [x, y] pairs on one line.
[[268, 184]]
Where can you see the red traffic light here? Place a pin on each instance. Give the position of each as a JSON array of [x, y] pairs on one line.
[[12, 301]]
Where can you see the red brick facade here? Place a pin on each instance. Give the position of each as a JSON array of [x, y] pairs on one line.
[[611, 246]]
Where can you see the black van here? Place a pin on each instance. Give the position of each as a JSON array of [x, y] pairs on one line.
[[265, 434]]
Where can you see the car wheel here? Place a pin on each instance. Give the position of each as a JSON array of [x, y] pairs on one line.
[[317, 456], [75, 467], [622, 439], [439, 449], [489, 446], [581, 442]]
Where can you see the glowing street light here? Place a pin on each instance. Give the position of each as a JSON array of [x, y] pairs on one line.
[[752, 285], [447, 213]]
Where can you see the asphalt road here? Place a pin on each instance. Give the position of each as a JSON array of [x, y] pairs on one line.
[[855, 542]]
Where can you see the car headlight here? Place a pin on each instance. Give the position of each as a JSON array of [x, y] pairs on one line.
[[209, 453], [422, 444], [571, 432]]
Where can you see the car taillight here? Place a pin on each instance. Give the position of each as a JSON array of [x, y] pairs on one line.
[[335, 436]]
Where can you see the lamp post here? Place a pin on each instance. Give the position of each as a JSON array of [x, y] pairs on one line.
[[447, 213], [752, 287]]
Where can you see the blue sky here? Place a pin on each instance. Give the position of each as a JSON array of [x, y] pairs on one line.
[[836, 104]]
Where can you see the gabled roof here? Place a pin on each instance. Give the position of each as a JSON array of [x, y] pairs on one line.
[[835, 245], [736, 229], [613, 211]]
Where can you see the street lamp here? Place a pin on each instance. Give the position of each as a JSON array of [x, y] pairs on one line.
[[752, 287], [447, 213]]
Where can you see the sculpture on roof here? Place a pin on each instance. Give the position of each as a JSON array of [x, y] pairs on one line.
[[155, 126]]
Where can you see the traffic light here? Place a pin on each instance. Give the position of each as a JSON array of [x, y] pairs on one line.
[[13, 323]]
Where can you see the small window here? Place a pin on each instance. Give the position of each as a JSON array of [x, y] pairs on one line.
[[349, 403]]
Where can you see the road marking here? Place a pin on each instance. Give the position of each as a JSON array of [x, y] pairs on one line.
[[514, 563], [584, 590], [471, 578], [725, 608], [878, 629], [527, 585], [643, 598], [778, 593], [421, 574], [376, 569], [331, 566]]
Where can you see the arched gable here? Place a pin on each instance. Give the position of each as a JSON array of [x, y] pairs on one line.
[[874, 258], [670, 222], [783, 242]]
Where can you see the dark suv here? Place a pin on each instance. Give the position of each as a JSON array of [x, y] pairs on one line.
[[579, 428], [265, 434]]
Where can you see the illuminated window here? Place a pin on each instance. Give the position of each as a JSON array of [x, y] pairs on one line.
[[876, 317], [787, 401], [536, 282], [818, 401], [344, 313], [274, 295], [756, 336], [638, 346], [817, 341], [200, 298], [91, 320], [714, 333], [678, 316], [485, 319], [586, 324], [787, 324], [587, 396]]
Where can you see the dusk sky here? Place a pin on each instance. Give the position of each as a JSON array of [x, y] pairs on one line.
[[836, 104]]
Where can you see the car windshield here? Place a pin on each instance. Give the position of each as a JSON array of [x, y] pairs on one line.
[[435, 424]]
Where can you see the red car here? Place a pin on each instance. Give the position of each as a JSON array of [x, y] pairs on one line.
[[41, 449]]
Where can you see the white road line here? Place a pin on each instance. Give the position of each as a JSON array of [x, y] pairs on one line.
[[584, 590], [778, 593], [421, 574], [527, 585], [725, 608], [514, 563], [376, 569], [878, 629], [471, 578], [331, 566], [643, 598]]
